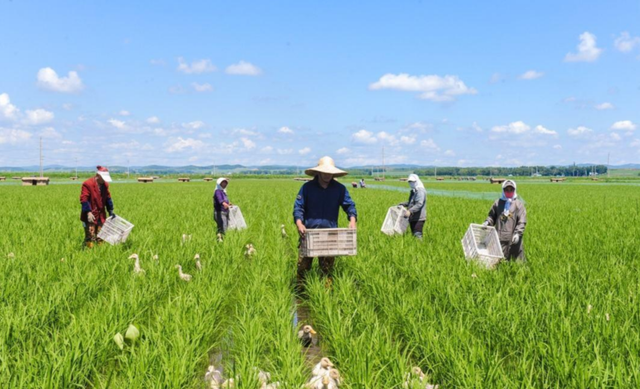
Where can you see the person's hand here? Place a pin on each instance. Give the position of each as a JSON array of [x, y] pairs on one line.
[[112, 215], [301, 228], [352, 224], [225, 205], [407, 213], [91, 218], [515, 239]]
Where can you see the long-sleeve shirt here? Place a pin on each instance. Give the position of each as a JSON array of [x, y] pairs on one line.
[[508, 225], [219, 197], [417, 204], [95, 198], [318, 207]]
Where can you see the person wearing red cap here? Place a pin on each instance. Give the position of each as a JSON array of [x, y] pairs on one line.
[[95, 197]]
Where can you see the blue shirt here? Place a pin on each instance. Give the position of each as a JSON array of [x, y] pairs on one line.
[[318, 207]]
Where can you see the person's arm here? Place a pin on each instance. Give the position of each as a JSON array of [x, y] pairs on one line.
[[85, 198], [522, 220], [298, 212], [418, 201], [493, 213], [349, 207], [109, 203]]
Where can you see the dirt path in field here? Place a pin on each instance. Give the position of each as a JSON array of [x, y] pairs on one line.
[[312, 354]]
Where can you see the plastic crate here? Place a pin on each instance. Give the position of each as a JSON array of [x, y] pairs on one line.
[[482, 244], [395, 222], [236, 220], [329, 242], [115, 230]]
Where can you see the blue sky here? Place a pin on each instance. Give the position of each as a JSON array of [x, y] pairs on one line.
[[444, 83]]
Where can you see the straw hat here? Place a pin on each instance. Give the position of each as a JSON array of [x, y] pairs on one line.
[[325, 165]]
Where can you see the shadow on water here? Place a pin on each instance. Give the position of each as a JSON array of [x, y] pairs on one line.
[[301, 317]]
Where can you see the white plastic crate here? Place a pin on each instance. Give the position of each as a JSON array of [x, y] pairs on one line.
[[236, 220], [482, 244], [115, 230], [395, 222], [329, 242]]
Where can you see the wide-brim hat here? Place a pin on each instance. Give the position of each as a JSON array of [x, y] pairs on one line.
[[104, 173], [325, 165]]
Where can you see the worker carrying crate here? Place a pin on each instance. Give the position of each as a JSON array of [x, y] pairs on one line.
[[317, 206]]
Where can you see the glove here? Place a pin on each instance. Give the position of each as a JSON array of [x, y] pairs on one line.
[[90, 218], [112, 214], [407, 213], [485, 224], [515, 239]]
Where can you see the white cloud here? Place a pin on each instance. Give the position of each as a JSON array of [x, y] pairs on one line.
[[194, 125], [476, 127], [13, 136], [387, 138], [531, 75], [117, 123], [49, 79], [615, 136], [626, 43], [304, 151], [38, 116], [516, 128], [67, 106], [153, 120], [248, 143], [157, 62], [343, 151], [579, 131], [557, 147], [364, 137], [206, 87], [124, 113], [285, 151], [429, 144], [544, 131], [196, 67], [604, 106], [243, 68], [8, 111], [50, 132], [625, 125], [450, 153], [181, 144], [266, 150], [244, 131], [587, 49], [420, 126], [432, 87], [285, 130], [408, 140]]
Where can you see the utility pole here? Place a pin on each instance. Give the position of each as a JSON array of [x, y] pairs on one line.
[[41, 157], [128, 166], [383, 168], [608, 162], [435, 172]]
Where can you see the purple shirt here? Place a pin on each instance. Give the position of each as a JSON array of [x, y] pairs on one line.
[[219, 197]]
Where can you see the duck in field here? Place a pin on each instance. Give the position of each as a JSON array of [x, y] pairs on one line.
[[322, 368], [213, 377], [283, 231], [198, 264], [136, 266], [307, 336], [183, 276], [250, 250]]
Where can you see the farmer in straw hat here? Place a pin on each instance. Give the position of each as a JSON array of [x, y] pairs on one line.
[[317, 206], [509, 216], [95, 197]]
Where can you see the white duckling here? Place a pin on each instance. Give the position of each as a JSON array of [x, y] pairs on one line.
[[198, 264], [283, 231], [250, 250], [11, 255], [322, 382], [214, 377], [186, 238], [136, 266], [322, 368], [183, 276], [307, 336], [229, 383]]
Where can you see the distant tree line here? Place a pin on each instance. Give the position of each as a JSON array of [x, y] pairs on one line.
[[568, 171]]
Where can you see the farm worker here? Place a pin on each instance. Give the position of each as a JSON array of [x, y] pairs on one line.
[[416, 206], [362, 184], [317, 206], [95, 197], [221, 206], [509, 216]]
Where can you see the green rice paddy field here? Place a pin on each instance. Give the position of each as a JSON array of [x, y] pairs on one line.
[[568, 318]]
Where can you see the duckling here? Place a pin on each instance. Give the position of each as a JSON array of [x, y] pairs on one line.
[[306, 336], [251, 251], [136, 266], [334, 375], [183, 276], [263, 376], [214, 377], [322, 368], [282, 230], [11, 255], [186, 238], [273, 385], [322, 382], [229, 383], [198, 264], [219, 238], [416, 378]]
